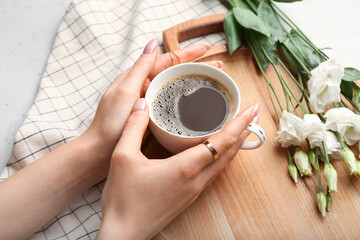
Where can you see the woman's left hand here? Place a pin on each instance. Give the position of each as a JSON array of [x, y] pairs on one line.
[[141, 196], [118, 100]]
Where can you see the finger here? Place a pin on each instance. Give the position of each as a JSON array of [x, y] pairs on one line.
[[225, 139], [164, 61], [142, 67], [187, 54], [217, 64], [117, 80], [209, 173], [134, 129], [198, 157]]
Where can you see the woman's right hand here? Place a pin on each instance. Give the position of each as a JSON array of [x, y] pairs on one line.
[[141, 196], [118, 100]]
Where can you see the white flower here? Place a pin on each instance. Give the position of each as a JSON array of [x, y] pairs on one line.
[[293, 172], [330, 176], [290, 130], [314, 130], [324, 84], [312, 158], [356, 100], [302, 162], [345, 122], [350, 161], [321, 202], [333, 147]]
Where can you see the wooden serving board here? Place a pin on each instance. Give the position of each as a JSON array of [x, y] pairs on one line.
[[254, 197]]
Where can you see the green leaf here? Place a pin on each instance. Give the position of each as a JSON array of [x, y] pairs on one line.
[[351, 74], [287, 1], [294, 43], [252, 4], [289, 58], [266, 13], [241, 4], [248, 19], [230, 2], [259, 41], [233, 32], [346, 89]]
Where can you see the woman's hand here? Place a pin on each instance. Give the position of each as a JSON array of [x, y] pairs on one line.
[[49, 184], [142, 196], [118, 100]]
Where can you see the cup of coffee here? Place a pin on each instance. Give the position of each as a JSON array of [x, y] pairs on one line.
[[191, 101]]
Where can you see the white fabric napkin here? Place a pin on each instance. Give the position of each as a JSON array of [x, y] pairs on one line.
[[95, 41]]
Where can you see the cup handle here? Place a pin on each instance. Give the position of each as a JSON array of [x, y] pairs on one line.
[[259, 132]]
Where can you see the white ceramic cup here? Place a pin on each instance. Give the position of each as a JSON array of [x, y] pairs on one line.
[[177, 143]]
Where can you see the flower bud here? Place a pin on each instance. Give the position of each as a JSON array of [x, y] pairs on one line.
[[302, 162], [349, 159], [312, 158], [293, 172], [321, 202], [356, 99], [328, 202], [330, 176]]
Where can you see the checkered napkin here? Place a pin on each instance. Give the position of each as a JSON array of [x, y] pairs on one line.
[[95, 42]]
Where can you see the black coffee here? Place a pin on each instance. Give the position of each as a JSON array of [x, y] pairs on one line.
[[202, 110], [191, 105]]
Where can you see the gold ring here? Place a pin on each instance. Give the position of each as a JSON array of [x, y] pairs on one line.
[[212, 149], [171, 52]]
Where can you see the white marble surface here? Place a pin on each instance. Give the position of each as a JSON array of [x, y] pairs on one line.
[[330, 23], [27, 30]]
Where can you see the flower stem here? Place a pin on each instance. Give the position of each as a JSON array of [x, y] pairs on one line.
[[296, 81], [343, 104], [289, 155], [325, 152], [293, 107], [308, 105], [352, 103], [285, 92], [268, 84], [298, 31], [343, 145], [299, 61], [288, 87], [283, 80], [318, 170]]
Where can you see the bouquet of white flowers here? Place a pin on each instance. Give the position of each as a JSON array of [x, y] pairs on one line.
[[324, 85]]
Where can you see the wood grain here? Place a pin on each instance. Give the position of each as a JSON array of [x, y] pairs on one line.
[[254, 198]]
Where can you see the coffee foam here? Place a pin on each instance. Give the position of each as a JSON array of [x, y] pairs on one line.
[[165, 102]]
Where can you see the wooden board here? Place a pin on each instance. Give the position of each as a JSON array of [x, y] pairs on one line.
[[254, 198]]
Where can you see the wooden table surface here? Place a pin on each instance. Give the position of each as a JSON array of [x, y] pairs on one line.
[[254, 197]]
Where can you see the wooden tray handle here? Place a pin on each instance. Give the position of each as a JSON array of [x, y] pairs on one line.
[[195, 28]]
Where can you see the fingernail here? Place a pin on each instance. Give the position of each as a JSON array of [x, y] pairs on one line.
[[256, 109], [150, 47], [207, 47], [140, 105], [219, 64], [256, 119]]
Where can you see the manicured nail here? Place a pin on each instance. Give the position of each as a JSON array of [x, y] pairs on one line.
[[150, 47], [219, 64], [256, 109], [140, 105], [256, 119]]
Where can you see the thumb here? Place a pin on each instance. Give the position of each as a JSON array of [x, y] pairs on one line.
[[142, 67], [135, 127]]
